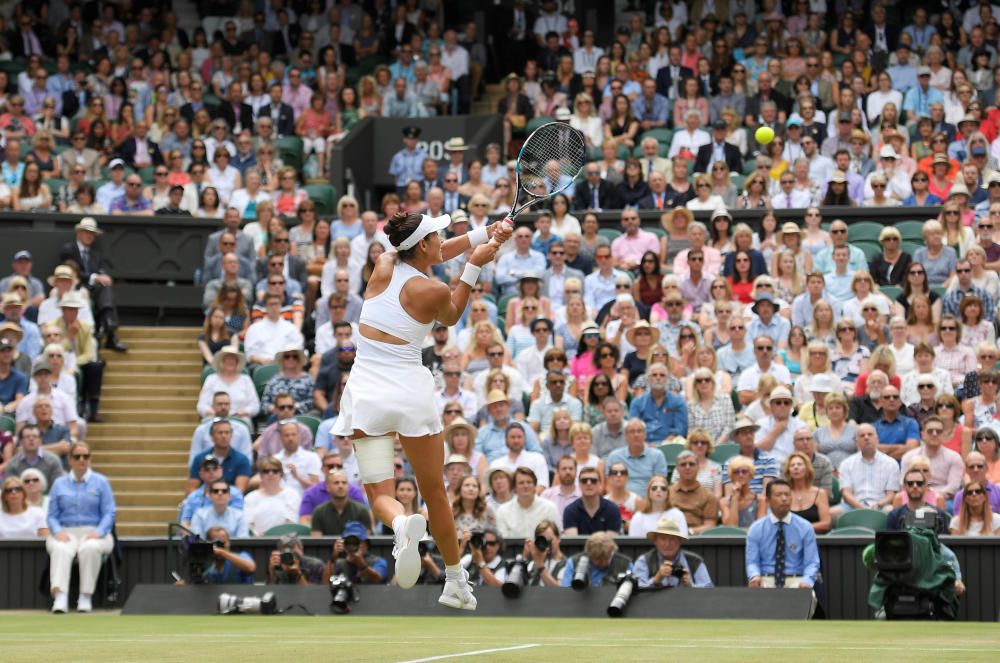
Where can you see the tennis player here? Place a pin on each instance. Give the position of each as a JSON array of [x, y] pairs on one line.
[[391, 393]]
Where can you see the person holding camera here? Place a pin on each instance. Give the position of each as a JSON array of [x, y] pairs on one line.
[[546, 560], [603, 562], [352, 559], [666, 565], [289, 565], [484, 562], [228, 568]]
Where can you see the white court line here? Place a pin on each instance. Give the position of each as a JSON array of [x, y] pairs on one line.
[[470, 653]]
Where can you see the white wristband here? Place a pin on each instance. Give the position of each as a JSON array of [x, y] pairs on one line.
[[478, 236], [470, 274]]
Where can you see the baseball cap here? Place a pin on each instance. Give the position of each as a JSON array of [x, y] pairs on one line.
[[22, 255], [355, 529], [210, 460], [116, 163]]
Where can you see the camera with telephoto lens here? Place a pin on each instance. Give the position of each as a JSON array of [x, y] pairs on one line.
[[352, 544], [581, 573], [197, 555], [542, 543], [231, 604], [517, 577], [342, 593], [287, 558], [476, 540], [626, 585]]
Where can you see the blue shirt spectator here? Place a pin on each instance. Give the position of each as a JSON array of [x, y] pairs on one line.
[[234, 465], [654, 110], [513, 265], [897, 431], [122, 204], [202, 441], [13, 385], [406, 165], [597, 574], [608, 517], [801, 552], [199, 500], [917, 101], [641, 467], [699, 577], [84, 502], [667, 418], [492, 441], [228, 574], [953, 298], [231, 520]]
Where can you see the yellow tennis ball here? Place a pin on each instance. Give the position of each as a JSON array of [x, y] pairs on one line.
[[764, 135]]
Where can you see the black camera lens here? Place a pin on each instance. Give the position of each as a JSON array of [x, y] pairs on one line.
[[541, 542], [678, 572], [287, 558], [476, 540], [219, 544], [422, 548]]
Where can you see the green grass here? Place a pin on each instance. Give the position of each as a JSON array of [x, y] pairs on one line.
[[108, 638]]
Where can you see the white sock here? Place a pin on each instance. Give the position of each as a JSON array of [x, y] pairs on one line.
[[397, 523], [454, 572]]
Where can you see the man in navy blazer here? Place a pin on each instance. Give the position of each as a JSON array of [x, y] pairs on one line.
[[708, 154], [233, 111], [138, 151], [281, 114], [670, 75], [607, 196]]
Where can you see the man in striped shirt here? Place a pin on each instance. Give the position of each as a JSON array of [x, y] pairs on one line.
[[765, 465]]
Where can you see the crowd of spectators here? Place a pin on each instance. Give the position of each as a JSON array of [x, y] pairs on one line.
[[638, 383]]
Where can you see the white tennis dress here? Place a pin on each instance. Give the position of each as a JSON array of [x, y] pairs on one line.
[[389, 389]]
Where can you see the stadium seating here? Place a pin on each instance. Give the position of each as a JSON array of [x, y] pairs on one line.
[[724, 452], [724, 530], [869, 518], [288, 528], [864, 231], [852, 531], [324, 195], [312, 423], [670, 452], [261, 375]]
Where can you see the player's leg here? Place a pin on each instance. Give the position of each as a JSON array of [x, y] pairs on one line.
[[376, 461]]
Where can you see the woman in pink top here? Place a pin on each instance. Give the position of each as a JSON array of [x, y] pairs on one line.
[[313, 126]]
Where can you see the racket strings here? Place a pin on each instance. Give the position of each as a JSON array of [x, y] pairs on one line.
[[551, 159]]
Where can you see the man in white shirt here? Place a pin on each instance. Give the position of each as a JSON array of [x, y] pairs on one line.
[[549, 20], [495, 353], [517, 457], [302, 468], [691, 138], [359, 245], [266, 337], [869, 479], [820, 167], [531, 360], [776, 432], [63, 406], [453, 391], [519, 517], [789, 197], [763, 349], [586, 56]]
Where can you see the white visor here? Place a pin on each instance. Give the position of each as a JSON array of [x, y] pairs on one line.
[[427, 226]]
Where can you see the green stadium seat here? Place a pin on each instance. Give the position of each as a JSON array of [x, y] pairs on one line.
[[940, 290], [852, 531], [536, 122], [623, 151], [289, 528], [656, 230], [55, 184], [749, 166], [501, 325], [243, 422], [310, 422], [290, 151], [835, 491], [724, 452], [7, 424], [261, 375], [910, 247], [738, 181], [502, 305], [147, 174], [724, 530], [663, 136], [870, 518], [864, 231], [911, 230], [205, 372], [670, 452], [325, 197], [870, 249], [891, 291], [611, 233]]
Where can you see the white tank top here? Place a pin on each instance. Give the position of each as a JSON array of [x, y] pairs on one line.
[[385, 313]]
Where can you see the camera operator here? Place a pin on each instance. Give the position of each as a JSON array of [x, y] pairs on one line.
[[546, 561], [289, 565], [352, 559], [485, 564], [229, 568], [673, 566], [606, 563]]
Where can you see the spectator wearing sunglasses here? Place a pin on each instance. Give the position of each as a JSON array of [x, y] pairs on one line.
[[209, 471], [916, 512], [219, 513], [272, 504], [947, 466]]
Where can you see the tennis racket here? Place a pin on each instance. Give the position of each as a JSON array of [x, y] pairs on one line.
[[549, 163]]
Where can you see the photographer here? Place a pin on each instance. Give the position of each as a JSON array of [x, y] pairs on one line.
[[229, 568], [673, 566], [546, 561], [484, 562], [606, 563], [289, 565], [352, 559]]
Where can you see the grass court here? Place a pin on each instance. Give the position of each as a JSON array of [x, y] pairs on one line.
[[108, 637]]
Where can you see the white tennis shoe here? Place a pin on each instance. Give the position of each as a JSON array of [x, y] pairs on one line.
[[406, 550], [458, 593]]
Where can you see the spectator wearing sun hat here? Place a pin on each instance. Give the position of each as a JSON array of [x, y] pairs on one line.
[[777, 430], [667, 565]]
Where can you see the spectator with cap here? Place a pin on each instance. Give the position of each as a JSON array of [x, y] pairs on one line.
[[407, 164], [332, 517], [174, 206], [290, 379], [13, 383], [768, 323], [765, 465], [219, 513], [56, 438], [94, 275], [229, 377], [776, 432], [918, 99], [21, 267], [31, 338], [352, 558], [667, 565], [209, 471], [63, 405], [109, 191]]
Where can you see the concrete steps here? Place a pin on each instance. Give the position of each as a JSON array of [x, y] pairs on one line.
[[148, 404]]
